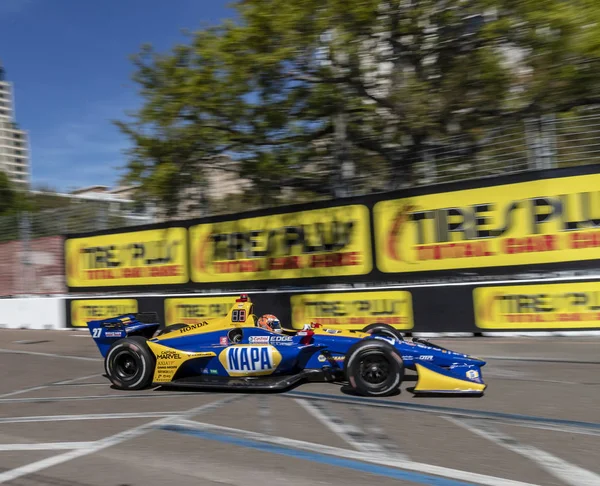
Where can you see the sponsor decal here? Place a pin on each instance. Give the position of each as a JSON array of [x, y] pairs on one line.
[[192, 310], [271, 339], [547, 221], [83, 311], [322, 358], [223, 341], [192, 327], [425, 358], [472, 374], [114, 334], [166, 355], [549, 306], [258, 339], [353, 310], [151, 257], [250, 360], [318, 243]]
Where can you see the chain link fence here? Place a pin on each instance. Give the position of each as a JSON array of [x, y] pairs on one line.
[[31, 246]]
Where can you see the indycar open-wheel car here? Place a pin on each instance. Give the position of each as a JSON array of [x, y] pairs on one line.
[[234, 353]]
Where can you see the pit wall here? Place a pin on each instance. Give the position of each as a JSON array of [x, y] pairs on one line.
[[537, 307]]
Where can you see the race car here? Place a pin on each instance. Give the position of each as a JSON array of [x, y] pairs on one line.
[[243, 352]]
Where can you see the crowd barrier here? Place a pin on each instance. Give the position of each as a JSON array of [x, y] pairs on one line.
[[559, 307]]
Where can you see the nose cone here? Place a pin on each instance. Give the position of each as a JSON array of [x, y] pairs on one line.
[[476, 361]]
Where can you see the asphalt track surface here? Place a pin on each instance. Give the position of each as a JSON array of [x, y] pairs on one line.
[[62, 424]]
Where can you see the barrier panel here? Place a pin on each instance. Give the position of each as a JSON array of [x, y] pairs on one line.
[[471, 309], [33, 313], [535, 221]]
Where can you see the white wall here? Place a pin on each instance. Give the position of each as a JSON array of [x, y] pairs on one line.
[[33, 313]]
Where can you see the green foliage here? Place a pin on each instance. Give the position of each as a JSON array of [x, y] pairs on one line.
[[295, 88]]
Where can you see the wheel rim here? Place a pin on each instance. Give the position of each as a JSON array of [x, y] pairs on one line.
[[126, 366], [375, 369]]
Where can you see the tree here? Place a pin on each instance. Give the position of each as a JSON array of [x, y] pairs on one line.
[[10, 200], [295, 92]]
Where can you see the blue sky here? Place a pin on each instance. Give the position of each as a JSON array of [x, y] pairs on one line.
[[69, 63]]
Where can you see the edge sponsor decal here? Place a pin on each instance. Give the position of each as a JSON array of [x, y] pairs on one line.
[[353, 310], [83, 311], [151, 257], [544, 221], [271, 339], [549, 306], [195, 310], [318, 243], [243, 360]]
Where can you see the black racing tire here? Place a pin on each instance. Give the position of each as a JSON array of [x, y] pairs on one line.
[[129, 364], [171, 328], [383, 329], [374, 368]]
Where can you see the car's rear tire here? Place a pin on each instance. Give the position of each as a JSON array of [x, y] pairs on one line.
[[171, 328], [129, 364], [383, 329], [374, 368]]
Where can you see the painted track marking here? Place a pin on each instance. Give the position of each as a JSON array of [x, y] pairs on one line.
[[105, 443], [124, 396], [84, 417], [557, 467], [45, 446], [349, 433], [48, 355], [321, 449], [460, 412], [41, 387]]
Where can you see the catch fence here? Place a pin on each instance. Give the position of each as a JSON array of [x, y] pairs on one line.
[[31, 246]]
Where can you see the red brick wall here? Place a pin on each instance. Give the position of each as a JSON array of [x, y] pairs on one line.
[[43, 275]]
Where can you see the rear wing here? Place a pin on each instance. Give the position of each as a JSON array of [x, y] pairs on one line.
[[106, 331]]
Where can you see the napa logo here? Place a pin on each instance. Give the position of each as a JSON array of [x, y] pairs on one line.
[[245, 360]]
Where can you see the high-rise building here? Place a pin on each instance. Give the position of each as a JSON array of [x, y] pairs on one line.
[[14, 144]]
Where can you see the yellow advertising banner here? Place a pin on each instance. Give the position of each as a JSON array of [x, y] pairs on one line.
[[83, 311], [150, 257], [550, 306], [193, 310], [545, 221], [354, 310], [318, 243]]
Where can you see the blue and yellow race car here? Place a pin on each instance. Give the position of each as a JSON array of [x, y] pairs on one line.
[[237, 352]]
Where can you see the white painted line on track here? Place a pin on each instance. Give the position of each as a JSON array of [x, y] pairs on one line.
[[264, 414], [75, 380], [125, 396], [85, 417], [41, 387], [107, 442], [48, 355], [45, 446], [557, 467], [349, 433], [371, 457], [391, 447]]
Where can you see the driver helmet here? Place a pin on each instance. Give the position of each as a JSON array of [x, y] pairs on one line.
[[270, 323]]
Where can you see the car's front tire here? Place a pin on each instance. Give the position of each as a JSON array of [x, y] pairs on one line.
[[129, 364], [374, 368]]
